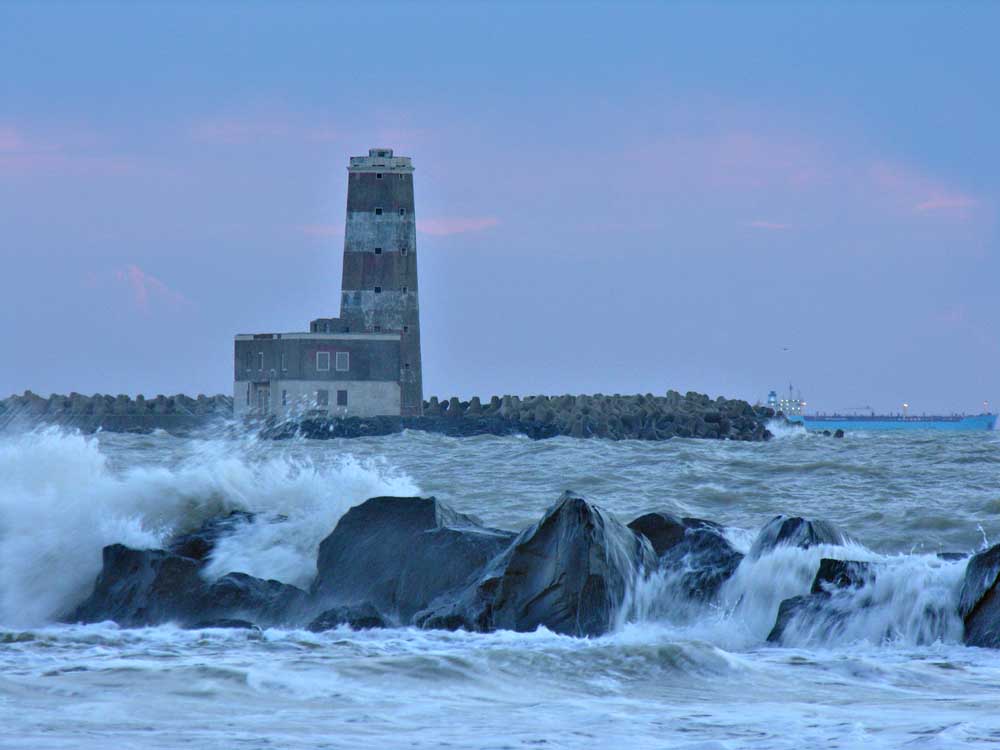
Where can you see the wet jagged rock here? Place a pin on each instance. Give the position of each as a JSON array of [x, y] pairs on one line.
[[664, 530], [198, 544], [813, 609], [794, 532], [979, 602], [399, 554], [357, 617], [703, 559], [568, 573], [148, 587], [841, 574]]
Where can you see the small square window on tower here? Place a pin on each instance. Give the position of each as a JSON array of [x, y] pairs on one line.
[[402, 176], [406, 329], [378, 175], [378, 211], [378, 329], [406, 366], [378, 251], [403, 251], [405, 289], [402, 212], [378, 290]]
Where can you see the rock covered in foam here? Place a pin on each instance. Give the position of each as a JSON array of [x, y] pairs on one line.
[[794, 531], [399, 554], [813, 610], [979, 603], [569, 573]]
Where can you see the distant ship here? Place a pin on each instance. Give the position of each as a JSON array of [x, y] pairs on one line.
[[793, 407]]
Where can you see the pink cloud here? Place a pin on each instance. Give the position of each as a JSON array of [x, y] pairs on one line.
[[447, 226], [915, 192], [322, 230], [771, 225], [146, 288], [11, 140], [945, 202], [73, 155]]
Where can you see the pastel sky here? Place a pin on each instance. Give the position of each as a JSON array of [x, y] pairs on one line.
[[610, 197]]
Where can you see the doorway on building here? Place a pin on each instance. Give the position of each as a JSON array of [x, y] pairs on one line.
[[261, 397]]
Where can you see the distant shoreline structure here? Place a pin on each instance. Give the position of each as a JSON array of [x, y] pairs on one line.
[[616, 417]]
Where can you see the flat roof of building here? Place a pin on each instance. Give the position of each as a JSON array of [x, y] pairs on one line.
[[320, 336]]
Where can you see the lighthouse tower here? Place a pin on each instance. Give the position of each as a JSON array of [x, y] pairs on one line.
[[379, 287], [366, 361]]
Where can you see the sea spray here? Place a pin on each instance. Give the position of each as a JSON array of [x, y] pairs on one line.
[[62, 501]]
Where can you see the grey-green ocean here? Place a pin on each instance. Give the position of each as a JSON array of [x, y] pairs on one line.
[[671, 674]]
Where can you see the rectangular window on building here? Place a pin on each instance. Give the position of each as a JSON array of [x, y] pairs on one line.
[[284, 361], [405, 289], [248, 359], [322, 397], [378, 290], [260, 360], [406, 366], [323, 361], [341, 398], [378, 329], [406, 329], [378, 175], [402, 176], [248, 394], [378, 211], [378, 251], [343, 361], [402, 212], [403, 251], [284, 398]]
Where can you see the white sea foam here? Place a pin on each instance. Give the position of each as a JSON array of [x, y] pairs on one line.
[[61, 501]]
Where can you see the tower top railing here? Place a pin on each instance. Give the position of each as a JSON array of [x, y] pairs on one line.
[[380, 160]]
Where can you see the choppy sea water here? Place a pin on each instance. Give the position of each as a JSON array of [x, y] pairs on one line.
[[673, 674]]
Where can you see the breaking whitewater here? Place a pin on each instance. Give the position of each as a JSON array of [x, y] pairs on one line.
[[672, 638]]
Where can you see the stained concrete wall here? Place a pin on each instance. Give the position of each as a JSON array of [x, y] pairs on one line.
[[285, 398], [286, 356]]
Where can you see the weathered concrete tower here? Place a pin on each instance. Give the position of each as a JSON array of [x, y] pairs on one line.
[[379, 287]]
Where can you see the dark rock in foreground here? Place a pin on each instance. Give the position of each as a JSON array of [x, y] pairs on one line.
[[568, 573], [399, 554], [794, 532], [841, 574], [702, 560], [979, 603], [664, 530], [137, 588], [814, 610], [358, 617], [199, 544]]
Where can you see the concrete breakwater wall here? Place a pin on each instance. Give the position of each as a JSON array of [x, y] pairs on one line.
[[638, 417], [617, 417], [178, 413]]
